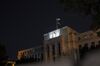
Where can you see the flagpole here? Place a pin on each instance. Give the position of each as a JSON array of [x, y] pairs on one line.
[[57, 22], [56, 41]]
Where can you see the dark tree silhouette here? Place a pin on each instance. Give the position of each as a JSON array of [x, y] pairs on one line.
[[2, 51], [86, 7], [3, 56]]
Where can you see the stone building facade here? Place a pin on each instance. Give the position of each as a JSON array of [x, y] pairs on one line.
[[69, 43], [88, 41], [35, 53], [63, 42], [89, 38], [24, 53]]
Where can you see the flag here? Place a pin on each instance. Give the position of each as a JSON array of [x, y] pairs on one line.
[[58, 19], [58, 23]]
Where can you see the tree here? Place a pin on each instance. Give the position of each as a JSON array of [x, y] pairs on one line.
[[2, 52], [86, 7]]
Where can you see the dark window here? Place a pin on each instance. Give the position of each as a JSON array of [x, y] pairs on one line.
[[41, 58], [98, 46], [53, 51], [79, 38], [99, 42], [92, 45], [59, 49], [48, 51], [35, 58], [38, 57], [85, 48], [98, 33], [80, 48]]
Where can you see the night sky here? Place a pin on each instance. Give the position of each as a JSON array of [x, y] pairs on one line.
[[23, 22]]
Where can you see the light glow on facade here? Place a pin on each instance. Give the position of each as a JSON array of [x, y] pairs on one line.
[[54, 34]]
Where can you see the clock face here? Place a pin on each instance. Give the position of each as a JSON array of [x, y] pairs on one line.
[[54, 34]]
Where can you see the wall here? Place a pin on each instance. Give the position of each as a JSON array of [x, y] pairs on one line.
[[59, 62]]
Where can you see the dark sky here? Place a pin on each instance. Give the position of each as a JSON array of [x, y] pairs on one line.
[[23, 22]]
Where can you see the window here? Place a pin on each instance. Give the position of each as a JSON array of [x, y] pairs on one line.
[[98, 46], [53, 50], [80, 46], [98, 42], [98, 34], [92, 45], [35, 59], [79, 38], [41, 56], [59, 49], [48, 51], [92, 42], [85, 48]]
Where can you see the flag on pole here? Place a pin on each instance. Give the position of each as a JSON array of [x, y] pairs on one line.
[[58, 22], [58, 19]]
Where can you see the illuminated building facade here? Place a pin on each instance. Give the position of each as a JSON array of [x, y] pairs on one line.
[[25, 53], [89, 40], [63, 42], [59, 43], [34, 54], [68, 42]]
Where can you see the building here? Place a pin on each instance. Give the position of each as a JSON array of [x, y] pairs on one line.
[[63, 42], [25, 53], [60, 42], [33, 54], [89, 40], [68, 42]]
